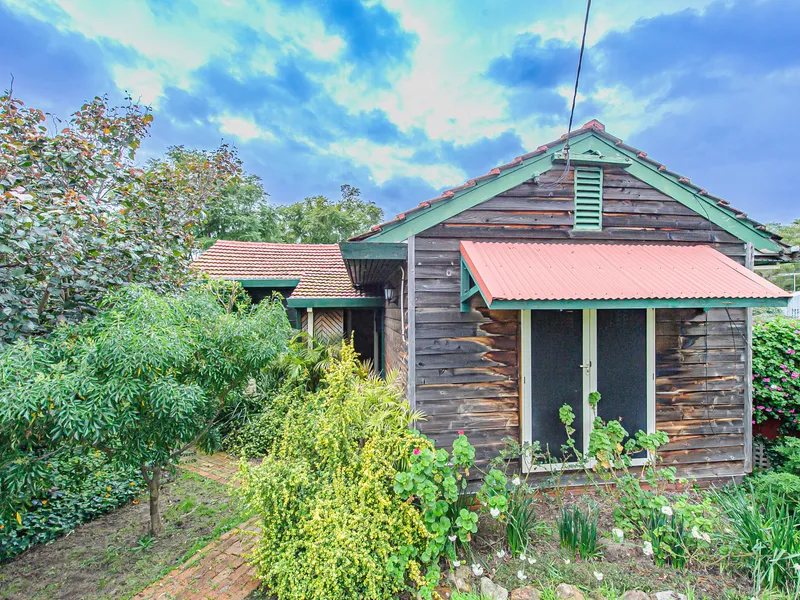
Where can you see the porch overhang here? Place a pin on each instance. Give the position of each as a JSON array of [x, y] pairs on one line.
[[557, 276], [308, 302], [372, 264]]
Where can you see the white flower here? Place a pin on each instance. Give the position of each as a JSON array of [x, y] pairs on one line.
[[706, 538], [531, 560], [516, 481], [666, 510], [483, 503], [456, 563], [695, 532], [495, 512], [566, 561], [618, 535], [598, 575], [521, 575], [452, 538], [477, 570], [796, 567], [522, 556], [501, 553], [647, 549]]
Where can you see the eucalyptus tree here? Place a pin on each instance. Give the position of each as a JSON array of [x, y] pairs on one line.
[[144, 380]]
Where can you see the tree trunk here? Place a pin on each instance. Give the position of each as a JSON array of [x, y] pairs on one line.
[[154, 484]]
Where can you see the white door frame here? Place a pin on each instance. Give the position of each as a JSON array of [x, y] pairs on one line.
[[589, 367]]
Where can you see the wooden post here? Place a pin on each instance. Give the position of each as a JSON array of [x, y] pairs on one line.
[[310, 312], [412, 326], [749, 262]]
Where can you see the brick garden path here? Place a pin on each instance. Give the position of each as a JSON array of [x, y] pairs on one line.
[[220, 570]]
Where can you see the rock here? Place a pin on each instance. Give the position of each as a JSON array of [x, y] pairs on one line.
[[617, 552], [635, 595], [460, 579], [526, 593], [492, 590], [668, 595], [568, 592], [443, 592]]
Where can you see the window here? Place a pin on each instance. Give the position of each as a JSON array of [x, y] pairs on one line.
[[588, 198], [567, 354]]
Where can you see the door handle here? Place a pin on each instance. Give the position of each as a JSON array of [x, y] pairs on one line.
[[588, 367]]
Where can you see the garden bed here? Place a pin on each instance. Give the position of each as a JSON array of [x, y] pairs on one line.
[[623, 566], [113, 557]]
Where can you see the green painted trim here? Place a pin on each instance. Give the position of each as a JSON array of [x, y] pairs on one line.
[[683, 194], [269, 282], [334, 302], [588, 194], [421, 220], [639, 303], [385, 251], [592, 160]]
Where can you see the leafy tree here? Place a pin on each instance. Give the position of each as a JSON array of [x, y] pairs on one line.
[[782, 275], [142, 381], [317, 220], [79, 218]]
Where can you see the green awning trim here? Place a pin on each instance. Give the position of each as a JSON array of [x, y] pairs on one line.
[[270, 283], [385, 251], [334, 302]]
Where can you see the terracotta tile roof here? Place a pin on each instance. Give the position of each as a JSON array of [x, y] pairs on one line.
[[593, 125], [319, 267], [554, 271]]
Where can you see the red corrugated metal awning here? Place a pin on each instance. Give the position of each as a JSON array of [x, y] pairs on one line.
[[577, 275]]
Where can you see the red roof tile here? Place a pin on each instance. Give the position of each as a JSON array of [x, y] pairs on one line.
[[319, 267], [553, 271]]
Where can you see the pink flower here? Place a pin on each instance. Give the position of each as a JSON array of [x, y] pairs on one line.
[[766, 380], [780, 410], [779, 388], [790, 351], [784, 367], [759, 407], [416, 451], [460, 432], [769, 410], [754, 421], [791, 412], [797, 331], [795, 374]]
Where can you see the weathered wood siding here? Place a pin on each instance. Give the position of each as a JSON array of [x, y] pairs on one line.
[[395, 350], [467, 373]]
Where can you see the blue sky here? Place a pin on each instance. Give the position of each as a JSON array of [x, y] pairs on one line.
[[403, 98]]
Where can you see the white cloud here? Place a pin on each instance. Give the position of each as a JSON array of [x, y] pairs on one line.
[[243, 128]]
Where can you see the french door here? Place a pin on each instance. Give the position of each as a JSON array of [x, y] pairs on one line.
[[567, 354]]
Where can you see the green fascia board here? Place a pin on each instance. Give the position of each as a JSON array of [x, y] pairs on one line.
[[639, 303], [362, 251], [283, 283], [334, 302], [592, 160], [683, 194], [424, 219]]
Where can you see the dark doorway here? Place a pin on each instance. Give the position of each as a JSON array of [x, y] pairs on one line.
[[362, 325]]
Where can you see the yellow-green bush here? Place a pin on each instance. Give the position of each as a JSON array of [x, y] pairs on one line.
[[333, 527]]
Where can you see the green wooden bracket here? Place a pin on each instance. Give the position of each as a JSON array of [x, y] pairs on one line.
[[592, 160], [468, 286], [270, 283]]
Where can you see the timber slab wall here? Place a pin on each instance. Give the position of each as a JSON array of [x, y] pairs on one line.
[[467, 374]]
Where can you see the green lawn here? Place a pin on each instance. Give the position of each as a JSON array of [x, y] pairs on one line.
[[113, 557]]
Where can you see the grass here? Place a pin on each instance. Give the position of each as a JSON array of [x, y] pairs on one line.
[[114, 557]]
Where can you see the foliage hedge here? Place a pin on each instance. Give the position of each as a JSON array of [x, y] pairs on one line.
[[776, 372], [334, 525], [85, 486]]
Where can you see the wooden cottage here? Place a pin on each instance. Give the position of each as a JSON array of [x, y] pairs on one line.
[[568, 271]]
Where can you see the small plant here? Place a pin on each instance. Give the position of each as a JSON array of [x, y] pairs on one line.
[[578, 532], [784, 484], [145, 542], [522, 523], [762, 537], [669, 537]]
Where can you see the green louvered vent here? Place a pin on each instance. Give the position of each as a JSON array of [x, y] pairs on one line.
[[588, 198]]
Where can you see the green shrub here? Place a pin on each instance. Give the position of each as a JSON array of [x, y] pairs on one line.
[[280, 387], [785, 454], [84, 486], [333, 525], [776, 371], [762, 537], [771, 482], [577, 532]]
